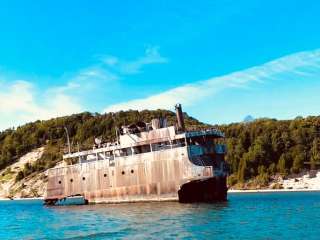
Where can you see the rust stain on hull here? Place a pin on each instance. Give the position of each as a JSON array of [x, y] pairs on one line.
[[151, 165], [146, 178]]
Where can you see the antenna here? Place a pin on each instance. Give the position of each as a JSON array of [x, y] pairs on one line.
[[117, 135], [66, 129], [115, 126]]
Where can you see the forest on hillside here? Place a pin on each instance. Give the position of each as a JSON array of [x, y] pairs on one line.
[[266, 147], [83, 128], [257, 150]]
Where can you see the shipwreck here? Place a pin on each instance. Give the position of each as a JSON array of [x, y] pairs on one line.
[[148, 162]]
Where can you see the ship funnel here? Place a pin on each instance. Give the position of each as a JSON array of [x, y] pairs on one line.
[[180, 120]]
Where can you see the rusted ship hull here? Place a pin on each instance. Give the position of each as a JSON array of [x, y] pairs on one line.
[[148, 162], [166, 175]]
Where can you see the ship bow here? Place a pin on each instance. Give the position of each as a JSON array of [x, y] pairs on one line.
[[212, 189]]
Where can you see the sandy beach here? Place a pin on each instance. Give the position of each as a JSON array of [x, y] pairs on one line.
[[20, 199], [229, 191]]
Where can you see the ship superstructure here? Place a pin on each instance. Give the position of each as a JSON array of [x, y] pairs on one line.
[[148, 162]]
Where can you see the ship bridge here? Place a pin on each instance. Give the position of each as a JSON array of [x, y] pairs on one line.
[[198, 142], [144, 137]]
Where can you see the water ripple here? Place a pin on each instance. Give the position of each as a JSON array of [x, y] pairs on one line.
[[244, 216]]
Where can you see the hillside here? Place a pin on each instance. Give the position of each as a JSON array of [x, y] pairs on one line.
[[265, 149], [50, 136], [258, 151], [30, 186]]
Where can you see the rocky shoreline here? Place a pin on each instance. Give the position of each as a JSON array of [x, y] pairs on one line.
[[231, 191], [33, 186]]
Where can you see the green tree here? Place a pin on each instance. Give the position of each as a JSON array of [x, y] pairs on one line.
[[242, 171], [282, 165], [315, 153], [298, 162]]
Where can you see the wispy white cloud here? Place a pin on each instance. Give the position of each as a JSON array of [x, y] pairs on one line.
[[151, 56], [87, 80], [190, 94], [20, 103], [108, 70], [110, 60]]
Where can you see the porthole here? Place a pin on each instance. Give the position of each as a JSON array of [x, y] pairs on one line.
[[123, 172], [71, 180], [105, 175], [59, 182], [83, 178], [132, 171]]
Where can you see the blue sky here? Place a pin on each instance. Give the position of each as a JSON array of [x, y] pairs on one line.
[[221, 59]]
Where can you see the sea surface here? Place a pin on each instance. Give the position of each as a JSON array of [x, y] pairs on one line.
[[291, 215]]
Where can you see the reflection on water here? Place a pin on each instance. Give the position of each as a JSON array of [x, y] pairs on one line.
[[246, 216], [139, 219]]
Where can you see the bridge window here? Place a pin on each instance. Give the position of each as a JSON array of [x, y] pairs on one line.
[[195, 141], [201, 140], [178, 143]]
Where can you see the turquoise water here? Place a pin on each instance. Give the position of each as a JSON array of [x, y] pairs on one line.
[[244, 216]]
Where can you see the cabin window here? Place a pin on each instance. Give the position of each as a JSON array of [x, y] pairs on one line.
[[105, 175], [123, 152], [71, 180], [59, 182], [123, 172], [126, 152], [117, 153], [83, 178], [141, 149], [136, 150], [132, 171], [161, 146], [109, 155]]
